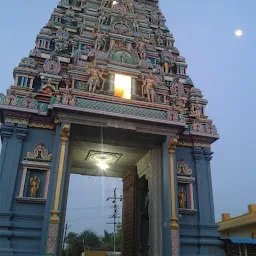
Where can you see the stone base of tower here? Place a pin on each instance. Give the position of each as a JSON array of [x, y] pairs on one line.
[[200, 240]]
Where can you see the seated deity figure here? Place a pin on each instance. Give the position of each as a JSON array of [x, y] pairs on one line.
[[48, 88], [94, 78], [148, 87]]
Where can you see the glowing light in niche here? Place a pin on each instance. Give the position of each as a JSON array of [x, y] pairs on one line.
[[114, 2], [123, 86]]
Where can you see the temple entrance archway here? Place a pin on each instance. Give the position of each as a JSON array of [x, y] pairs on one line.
[[128, 155]]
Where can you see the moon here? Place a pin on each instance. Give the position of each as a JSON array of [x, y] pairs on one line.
[[238, 32]]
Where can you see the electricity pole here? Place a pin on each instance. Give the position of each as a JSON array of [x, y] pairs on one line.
[[65, 235], [115, 214]]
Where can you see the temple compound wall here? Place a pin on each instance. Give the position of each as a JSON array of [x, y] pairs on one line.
[[110, 64]]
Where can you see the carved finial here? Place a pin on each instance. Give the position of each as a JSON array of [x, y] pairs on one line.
[[65, 133], [172, 143]]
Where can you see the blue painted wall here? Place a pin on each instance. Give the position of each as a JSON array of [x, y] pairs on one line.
[[22, 222]]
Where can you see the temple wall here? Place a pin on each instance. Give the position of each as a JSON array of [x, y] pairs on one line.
[[22, 221], [198, 231]]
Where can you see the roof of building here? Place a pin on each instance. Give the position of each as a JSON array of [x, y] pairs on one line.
[[228, 223], [236, 240]]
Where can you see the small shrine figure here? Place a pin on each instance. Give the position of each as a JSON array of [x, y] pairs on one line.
[[94, 78], [34, 186], [167, 60], [182, 198], [198, 110], [99, 41], [141, 46], [105, 3], [48, 88], [135, 25], [148, 87], [129, 6], [158, 36]]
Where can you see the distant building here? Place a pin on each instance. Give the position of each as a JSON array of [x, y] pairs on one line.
[[239, 233]]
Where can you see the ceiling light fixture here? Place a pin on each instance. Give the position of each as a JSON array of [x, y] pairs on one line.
[[102, 165]]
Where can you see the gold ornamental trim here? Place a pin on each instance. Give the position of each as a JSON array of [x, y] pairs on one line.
[[193, 144]]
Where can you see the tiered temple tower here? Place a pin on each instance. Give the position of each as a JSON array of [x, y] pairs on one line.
[[111, 62]]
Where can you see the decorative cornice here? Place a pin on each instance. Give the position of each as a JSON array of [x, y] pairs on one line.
[[193, 144]]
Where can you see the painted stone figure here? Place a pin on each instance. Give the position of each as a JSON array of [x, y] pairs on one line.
[[182, 198], [34, 186], [141, 47], [148, 87], [48, 88], [106, 3], [94, 78], [159, 36], [99, 41], [167, 60]]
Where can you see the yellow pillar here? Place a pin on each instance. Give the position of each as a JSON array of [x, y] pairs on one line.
[[64, 138], [171, 147], [55, 219]]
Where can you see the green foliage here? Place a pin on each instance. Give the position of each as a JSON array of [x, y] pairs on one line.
[[76, 242], [89, 239]]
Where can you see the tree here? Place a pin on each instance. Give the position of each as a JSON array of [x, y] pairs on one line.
[[108, 239], [87, 238]]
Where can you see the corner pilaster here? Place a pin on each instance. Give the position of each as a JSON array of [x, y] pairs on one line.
[[172, 143], [55, 218]]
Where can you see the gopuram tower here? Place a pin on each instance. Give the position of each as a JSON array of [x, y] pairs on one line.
[[107, 67]]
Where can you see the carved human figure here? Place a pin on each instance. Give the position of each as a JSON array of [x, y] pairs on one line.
[[105, 3], [135, 25], [148, 87], [154, 18], [141, 47], [158, 36], [198, 110], [123, 57], [99, 41], [34, 186], [48, 88], [129, 6], [94, 78], [167, 60], [182, 198], [103, 18]]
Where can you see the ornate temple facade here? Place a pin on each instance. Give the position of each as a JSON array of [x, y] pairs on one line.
[[112, 66]]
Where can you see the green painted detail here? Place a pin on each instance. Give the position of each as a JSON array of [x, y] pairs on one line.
[[94, 6], [123, 56], [121, 109]]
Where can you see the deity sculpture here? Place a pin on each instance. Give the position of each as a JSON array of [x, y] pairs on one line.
[[158, 36], [182, 198], [103, 18], [106, 3], [129, 6], [34, 186], [141, 47], [167, 60], [94, 78], [48, 88], [198, 110], [148, 87], [154, 18], [135, 25], [100, 41]]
